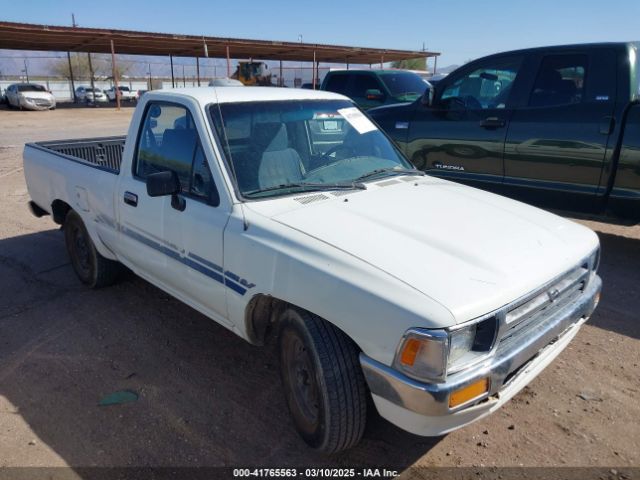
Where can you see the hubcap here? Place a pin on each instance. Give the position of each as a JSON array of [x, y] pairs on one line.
[[82, 252], [300, 372]]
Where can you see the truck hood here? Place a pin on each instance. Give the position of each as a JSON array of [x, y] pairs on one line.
[[469, 250]]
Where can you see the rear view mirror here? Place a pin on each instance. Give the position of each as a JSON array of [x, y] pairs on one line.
[[163, 183], [374, 94], [427, 96]]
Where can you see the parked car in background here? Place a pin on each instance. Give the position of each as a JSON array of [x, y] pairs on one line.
[[287, 216], [556, 126], [30, 96], [90, 95], [126, 94], [373, 88]]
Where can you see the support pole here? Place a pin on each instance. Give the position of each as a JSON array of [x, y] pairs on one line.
[[313, 74], [228, 63], [93, 87], [73, 86], [115, 75], [184, 79], [198, 69], [281, 81], [381, 62], [435, 64], [173, 80]]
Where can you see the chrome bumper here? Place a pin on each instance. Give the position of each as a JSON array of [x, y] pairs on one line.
[[432, 399]]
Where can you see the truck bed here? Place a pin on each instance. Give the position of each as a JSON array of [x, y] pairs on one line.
[[104, 153]]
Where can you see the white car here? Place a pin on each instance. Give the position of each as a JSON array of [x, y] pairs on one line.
[[126, 94], [286, 215], [88, 95], [29, 96]]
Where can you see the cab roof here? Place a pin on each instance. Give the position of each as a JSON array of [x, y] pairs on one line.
[[205, 95]]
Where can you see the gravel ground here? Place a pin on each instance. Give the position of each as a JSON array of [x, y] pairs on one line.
[[207, 398]]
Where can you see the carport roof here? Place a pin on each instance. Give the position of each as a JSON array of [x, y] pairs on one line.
[[23, 36]]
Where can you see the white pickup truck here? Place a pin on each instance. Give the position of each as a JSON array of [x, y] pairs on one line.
[[125, 94], [286, 215]]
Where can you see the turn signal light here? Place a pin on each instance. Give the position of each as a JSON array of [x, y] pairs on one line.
[[465, 394], [410, 351]]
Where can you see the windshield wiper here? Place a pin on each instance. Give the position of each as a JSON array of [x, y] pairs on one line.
[[309, 187], [391, 171]]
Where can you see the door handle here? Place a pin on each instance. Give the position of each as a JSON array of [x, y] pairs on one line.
[[492, 122], [131, 199]]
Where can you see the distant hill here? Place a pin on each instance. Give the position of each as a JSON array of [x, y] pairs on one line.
[[447, 69]]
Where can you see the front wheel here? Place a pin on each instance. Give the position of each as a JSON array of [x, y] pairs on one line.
[[92, 269], [323, 381]]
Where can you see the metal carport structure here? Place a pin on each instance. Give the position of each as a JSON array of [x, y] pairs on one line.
[[23, 36]]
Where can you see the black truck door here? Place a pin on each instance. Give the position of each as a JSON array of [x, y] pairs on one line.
[[559, 130], [461, 136]]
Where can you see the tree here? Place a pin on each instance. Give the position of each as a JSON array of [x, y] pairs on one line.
[[101, 64], [411, 64]]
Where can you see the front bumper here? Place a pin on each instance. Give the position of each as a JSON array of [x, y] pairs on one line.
[[423, 408], [38, 104]]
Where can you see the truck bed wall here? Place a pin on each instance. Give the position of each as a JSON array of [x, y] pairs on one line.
[[89, 191]]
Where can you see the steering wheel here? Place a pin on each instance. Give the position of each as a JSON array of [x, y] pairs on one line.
[[335, 149]]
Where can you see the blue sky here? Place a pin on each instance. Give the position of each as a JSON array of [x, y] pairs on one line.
[[461, 30]]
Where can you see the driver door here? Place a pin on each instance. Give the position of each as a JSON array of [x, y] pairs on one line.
[[462, 136]]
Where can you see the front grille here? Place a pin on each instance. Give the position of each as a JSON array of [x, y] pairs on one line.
[[526, 313]]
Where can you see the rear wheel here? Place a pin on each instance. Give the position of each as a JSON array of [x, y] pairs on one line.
[[92, 269], [323, 381]]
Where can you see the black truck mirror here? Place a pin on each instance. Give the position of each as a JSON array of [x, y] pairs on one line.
[[427, 96]]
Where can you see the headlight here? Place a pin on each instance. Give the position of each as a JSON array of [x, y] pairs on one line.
[[460, 346], [432, 354]]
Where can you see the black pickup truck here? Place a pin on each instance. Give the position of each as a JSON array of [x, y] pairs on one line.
[[554, 126]]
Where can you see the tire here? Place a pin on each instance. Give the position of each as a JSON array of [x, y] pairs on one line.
[[323, 382], [92, 269]]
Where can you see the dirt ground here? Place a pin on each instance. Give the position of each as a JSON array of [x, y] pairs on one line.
[[207, 398]]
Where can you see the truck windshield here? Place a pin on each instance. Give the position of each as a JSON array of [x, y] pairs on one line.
[[404, 85], [276, 148]]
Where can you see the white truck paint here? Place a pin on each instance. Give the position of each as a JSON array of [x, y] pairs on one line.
[[408, 252]]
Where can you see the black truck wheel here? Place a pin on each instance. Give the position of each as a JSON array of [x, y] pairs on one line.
[[323, 381], [92, 269]]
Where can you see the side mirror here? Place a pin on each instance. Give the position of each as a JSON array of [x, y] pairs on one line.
[[374, 94], [163, 183], [166, 183], [427, 96]]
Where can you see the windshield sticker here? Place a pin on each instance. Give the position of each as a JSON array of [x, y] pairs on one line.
[[357, 120]]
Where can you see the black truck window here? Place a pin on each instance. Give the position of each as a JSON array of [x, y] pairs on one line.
[[488, 86], [337, 83], [560, 81]]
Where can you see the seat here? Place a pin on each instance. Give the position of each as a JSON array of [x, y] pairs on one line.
[[279, 164]]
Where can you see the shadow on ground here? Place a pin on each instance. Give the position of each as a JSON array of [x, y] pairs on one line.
[[620, 272], [206, 397]]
